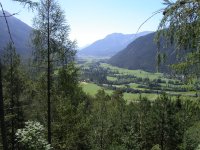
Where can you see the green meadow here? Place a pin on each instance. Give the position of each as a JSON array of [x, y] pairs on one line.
[[112, 76], [92, 89]]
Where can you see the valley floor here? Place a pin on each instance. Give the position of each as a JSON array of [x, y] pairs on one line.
[[133, 83]]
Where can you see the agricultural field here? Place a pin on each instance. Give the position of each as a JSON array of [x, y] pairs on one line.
[[137, 73], [92, 89], [96, 75]]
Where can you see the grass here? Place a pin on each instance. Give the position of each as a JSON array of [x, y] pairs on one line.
[[135, 86], [132, 97], [137, 73], [92, 89], [111, 78]]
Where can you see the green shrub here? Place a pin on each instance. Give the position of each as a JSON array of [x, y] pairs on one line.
[[32, 137]]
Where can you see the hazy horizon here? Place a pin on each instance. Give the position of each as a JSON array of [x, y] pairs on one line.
[[93, 20]]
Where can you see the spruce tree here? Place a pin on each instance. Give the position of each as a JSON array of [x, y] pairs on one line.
[[2, 113], [180, 26], [13, 89], [53, 49]]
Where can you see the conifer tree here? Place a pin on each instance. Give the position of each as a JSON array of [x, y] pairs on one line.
[[2, 113], [100, 121], [180, 26], [52, 46], [13, 88]]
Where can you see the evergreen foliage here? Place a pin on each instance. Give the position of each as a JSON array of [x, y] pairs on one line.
[[14, 84], [180, 26], [79, 121]]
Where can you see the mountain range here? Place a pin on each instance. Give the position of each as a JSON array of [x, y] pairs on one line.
[[20, 34], [141, 54], [132, 51], [110, 45]]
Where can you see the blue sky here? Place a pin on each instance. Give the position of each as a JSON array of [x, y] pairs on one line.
[[91, 20]]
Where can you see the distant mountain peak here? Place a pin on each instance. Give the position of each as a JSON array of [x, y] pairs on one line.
[[114, 34], [110, 45]]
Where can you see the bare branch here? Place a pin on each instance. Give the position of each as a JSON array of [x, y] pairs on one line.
[[31, 5], [10, 15], [11, 39], [155, 13]]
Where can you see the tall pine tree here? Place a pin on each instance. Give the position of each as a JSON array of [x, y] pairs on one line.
[[53, 48], [13, 83]]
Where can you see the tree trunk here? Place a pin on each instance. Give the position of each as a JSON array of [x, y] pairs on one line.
[[12, 101], [48, 81], [2, 115]]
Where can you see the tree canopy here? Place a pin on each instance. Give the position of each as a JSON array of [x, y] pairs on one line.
[[180, 26]]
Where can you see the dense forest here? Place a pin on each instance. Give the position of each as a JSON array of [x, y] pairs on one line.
[[43, 106]]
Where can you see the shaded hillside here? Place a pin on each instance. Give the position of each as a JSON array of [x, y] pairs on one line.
[[110, 45], [141, 54], [20, 33]]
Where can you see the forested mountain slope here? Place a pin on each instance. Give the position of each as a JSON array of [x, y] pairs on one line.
[[20, 33], [141, 54]]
